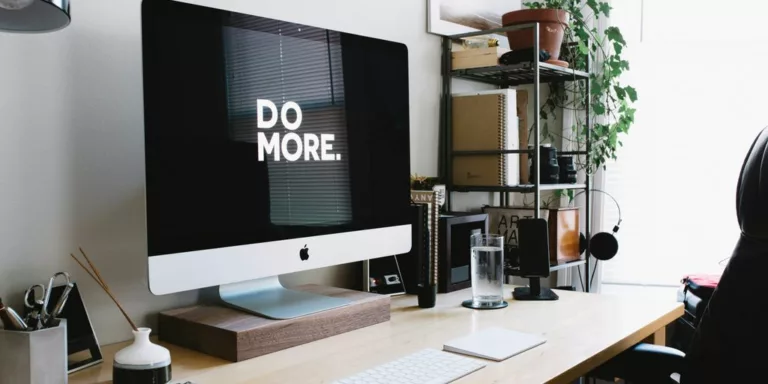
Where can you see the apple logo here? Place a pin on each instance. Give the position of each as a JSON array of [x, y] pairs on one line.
[[304, 253]]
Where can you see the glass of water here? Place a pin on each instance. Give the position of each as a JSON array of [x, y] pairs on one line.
[[487, 271]]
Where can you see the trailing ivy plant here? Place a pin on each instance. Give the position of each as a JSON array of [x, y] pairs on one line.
[[610, 102]]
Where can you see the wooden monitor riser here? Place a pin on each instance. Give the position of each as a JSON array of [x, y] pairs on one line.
[[236, 336]]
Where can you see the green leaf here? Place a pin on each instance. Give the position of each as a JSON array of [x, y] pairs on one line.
[[605, 8], [583, 48], [581, 34], [624, 64], [592, 4], [620, 93], [617, 47], [621, 126], [632, 93], [614, 34], [612, 69], [595, 88], [598, 108]]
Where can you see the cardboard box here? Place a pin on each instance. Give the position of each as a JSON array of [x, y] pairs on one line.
[[477, 57]]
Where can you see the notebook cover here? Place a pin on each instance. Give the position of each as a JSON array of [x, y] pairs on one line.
[[477, 171], [495, 343], [485, 121]]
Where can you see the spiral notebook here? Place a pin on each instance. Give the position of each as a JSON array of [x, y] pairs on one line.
[[486, 121]]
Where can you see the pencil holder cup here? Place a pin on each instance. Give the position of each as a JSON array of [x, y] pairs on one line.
[[36, 357]]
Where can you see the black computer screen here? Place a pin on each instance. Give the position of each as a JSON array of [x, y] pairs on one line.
[[261, 130]]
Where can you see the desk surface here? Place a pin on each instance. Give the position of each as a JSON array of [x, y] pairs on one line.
[[582, 331]]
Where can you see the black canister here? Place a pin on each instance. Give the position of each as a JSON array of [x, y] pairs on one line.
[[143, 375], [567, 169], [427, 296], [549, 170]]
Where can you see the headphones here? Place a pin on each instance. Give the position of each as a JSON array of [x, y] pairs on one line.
[[603, 245]]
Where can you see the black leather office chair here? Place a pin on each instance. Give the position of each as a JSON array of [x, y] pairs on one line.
[[731, 342]]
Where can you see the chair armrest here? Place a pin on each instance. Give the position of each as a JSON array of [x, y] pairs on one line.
[[643, 363]]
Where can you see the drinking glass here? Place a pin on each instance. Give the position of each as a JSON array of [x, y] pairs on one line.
[[487, 271]]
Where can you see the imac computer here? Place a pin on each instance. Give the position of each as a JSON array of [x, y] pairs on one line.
[[271, 147]]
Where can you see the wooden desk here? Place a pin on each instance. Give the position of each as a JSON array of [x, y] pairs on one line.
[[582, 330]]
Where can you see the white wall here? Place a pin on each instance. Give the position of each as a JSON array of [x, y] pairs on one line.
[[71, 154]]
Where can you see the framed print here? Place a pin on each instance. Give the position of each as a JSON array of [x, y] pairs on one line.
[[450, 17]]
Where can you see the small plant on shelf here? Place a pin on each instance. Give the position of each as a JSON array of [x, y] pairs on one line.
[[423, 183], [610, 102]]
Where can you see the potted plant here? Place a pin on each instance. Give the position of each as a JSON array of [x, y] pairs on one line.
[[610, 101], [552, 24], [423, 183]]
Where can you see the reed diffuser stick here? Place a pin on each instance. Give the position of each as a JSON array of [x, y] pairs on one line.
[[100, 281]]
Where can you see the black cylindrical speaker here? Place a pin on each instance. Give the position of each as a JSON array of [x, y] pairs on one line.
[[549, 170], [567, 169]]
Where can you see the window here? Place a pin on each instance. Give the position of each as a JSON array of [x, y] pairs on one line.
[[281, 62], [702, 101]]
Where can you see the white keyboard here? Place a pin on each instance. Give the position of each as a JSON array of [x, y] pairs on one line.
[[429, 366]]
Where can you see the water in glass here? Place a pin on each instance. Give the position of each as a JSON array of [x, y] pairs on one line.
[[487, 274]]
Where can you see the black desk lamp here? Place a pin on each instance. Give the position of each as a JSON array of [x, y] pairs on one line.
[[33, 16]]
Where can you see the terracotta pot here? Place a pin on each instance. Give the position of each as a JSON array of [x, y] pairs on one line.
[[552, 24]]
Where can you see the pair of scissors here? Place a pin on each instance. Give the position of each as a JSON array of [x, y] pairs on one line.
[[34, 299], [37, 298]]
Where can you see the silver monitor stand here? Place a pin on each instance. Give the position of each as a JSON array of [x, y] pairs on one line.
[[267, 297]]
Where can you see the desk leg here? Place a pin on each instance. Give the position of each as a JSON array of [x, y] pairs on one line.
[[658, 338]]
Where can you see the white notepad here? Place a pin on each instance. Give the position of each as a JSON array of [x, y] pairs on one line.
[[494, 343]]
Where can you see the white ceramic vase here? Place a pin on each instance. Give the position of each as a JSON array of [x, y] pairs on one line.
[[142, 362]]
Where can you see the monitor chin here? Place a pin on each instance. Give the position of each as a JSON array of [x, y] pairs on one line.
[[186, 271]]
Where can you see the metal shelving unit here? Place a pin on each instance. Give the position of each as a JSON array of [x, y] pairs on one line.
[[522, 188], [519, 74], [504, 76]]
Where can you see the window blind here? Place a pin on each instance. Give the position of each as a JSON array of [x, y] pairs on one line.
[[281, 62]]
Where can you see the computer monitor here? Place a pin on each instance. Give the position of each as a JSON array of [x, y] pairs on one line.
[[271, 147]]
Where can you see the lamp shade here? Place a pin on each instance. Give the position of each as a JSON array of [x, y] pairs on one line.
[[35, 16]]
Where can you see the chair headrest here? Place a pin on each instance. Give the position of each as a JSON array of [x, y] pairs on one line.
[[752, 191]]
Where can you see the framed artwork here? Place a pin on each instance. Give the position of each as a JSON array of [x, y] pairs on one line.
[[454, 249], [450, 17]]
